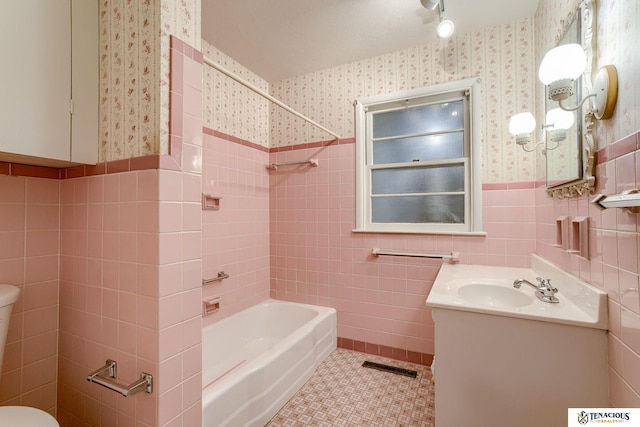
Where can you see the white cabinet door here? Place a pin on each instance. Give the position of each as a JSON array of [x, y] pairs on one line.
[[36, 81]]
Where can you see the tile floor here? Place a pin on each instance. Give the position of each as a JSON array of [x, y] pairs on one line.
[[343, 393]]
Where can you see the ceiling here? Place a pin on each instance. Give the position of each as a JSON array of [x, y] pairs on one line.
[[277, 39]]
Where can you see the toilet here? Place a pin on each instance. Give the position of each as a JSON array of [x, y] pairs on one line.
[[23, 416]]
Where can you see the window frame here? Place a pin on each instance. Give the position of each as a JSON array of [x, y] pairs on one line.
[[365, 107]]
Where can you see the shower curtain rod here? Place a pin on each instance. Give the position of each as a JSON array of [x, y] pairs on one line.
[[264, 94]]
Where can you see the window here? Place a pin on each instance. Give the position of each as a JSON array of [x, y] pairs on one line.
[[418, 161]]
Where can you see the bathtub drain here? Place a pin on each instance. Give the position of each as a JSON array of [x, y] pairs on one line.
[[392, 369]]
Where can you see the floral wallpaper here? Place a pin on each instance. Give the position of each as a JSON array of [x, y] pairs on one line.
[[617, 43], [128, 78], [134, 72], [134, 101], [230, 107], [180, 18], [501, 56]]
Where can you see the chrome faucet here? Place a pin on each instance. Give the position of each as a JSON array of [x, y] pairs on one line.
[[544, 290]]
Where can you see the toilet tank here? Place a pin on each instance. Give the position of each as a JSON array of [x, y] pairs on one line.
[[8, 296]]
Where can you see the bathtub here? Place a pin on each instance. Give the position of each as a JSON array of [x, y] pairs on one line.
[[254, 361]]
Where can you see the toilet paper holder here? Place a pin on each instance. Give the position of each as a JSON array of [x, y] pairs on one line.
[[110, 369]]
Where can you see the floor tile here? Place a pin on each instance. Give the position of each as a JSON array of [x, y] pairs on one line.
[[343, 393]]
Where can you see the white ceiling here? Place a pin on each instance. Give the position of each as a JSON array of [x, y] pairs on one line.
[[278, 39]]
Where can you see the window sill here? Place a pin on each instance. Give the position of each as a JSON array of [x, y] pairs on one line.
[[450, 233]]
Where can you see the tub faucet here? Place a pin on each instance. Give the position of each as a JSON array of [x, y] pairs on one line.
[[544, 290]]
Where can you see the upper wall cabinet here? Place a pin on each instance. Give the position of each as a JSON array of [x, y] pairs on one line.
[[49, 82]]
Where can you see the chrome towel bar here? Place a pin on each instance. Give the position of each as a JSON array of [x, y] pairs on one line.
[[110, 369], [452, 257], [221, 276], [312, 162]]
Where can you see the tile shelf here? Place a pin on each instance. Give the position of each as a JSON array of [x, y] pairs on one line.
[[572, 235]]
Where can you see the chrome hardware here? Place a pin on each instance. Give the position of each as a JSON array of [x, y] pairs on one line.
[[544, 290], [145, 383], [452, 257], [312, 162], [221, 276]]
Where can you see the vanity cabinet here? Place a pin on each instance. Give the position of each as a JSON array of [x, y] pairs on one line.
[[497, 371], [49, 82], [504, 357]]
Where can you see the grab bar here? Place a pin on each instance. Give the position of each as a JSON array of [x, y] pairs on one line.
[[221, 276], [312, 162], [145, 383], [452, 257]]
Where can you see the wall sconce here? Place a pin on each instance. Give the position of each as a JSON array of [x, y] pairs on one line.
[[557, 122], [562, 65], [446, 27]]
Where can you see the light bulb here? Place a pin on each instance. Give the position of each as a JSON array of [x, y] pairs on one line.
[[445, 28], [522, 123], [565, 62]]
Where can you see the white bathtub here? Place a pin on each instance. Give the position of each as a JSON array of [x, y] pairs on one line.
[[254, 361]]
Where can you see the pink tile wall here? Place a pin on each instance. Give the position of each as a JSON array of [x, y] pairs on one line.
[[235, 238], [29, 221], [317, 259], [615, 259], [108, 294], [180, 255], [130, 276]]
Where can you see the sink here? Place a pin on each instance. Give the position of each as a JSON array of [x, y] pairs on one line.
[[494, 295], [489, 290]]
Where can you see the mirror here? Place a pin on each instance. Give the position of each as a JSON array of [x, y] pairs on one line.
[[570, 153]]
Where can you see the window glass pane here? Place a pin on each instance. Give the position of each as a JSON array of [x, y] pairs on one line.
[[430, 179], [425, 119], [419, 148], [418, 209]]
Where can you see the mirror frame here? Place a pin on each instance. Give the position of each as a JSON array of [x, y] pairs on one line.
[[586, 183]]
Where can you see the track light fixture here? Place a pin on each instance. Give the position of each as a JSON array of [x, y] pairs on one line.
[[446, 26], [430, 4]]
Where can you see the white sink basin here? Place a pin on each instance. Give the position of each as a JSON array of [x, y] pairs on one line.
[[489, 290], [493, 295]]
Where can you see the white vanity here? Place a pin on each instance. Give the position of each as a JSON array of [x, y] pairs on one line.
[[506, 358]]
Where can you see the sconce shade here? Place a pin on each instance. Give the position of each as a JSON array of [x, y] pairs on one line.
[[560, 67], [565, 62], [522, 123], [557, 123], [559, 119], [445, 29]]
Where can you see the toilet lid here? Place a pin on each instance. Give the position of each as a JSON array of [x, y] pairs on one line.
[[12, 416]]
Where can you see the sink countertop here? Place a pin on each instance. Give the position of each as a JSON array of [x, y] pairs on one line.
[[580, 304]]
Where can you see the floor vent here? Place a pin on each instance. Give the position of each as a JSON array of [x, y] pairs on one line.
[[392, 369]]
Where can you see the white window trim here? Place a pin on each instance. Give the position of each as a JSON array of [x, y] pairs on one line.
[[473, 208]]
